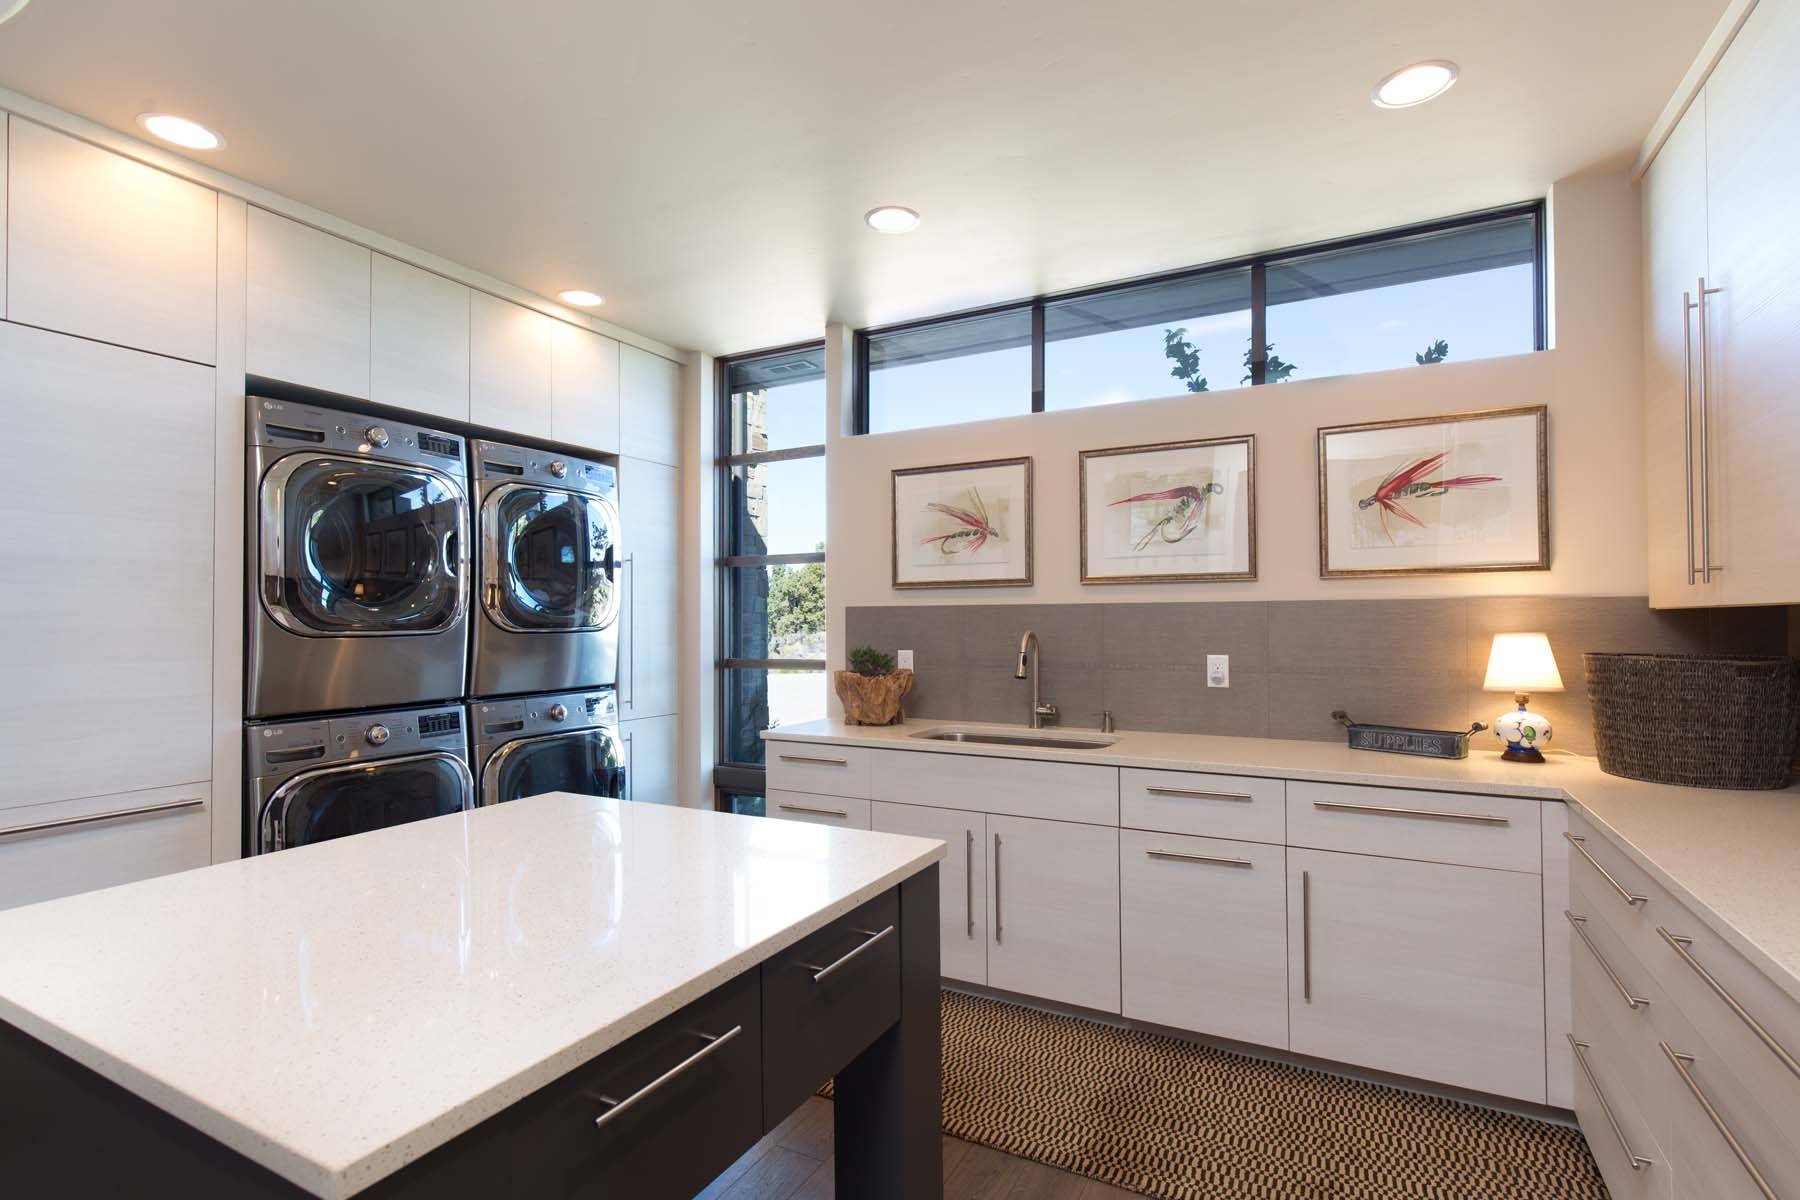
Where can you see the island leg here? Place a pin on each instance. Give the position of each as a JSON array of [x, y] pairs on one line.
[[890, 1099]]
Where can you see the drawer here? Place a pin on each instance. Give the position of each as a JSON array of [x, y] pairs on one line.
[[1219, 806], [821, 769], [1501, 832], [1614, 1089], [1013, 787], [845, 812], [1624, 896], [826, 998], [690, 1101], [51, 850]]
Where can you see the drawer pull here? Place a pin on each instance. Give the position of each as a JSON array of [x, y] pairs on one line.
[[816, 759], [121, 814], [1179, 856], [1638, 1162], [1426, 813], [618, 1106], [1680, 946], [1680, 1062], [1579, 924], [1625, 893], [1193, 794], [1306, 936], [999, 925], [873, 936], [823, 812], [969, 879]]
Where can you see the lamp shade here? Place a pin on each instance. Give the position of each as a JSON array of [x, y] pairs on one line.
[[1522, 662]]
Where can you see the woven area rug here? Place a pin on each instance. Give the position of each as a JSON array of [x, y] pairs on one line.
[[1169, 1118]]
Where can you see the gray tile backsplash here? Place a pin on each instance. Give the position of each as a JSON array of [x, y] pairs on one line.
[[1403, 662]]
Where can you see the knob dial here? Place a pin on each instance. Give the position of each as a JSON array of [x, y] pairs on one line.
[[559, 468], [557, 712], [377, 735], [377, 435]]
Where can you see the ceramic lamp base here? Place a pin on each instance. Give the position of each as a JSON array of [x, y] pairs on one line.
[[1525, 733]]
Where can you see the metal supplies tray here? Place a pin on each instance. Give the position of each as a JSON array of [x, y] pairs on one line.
[[1398, 739]]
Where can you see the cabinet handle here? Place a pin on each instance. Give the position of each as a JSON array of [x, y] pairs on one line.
[[1625, 893], [1638, 1162], [873, 936], [813, 758], [999, 926], [120, 814], [1579, 925], [1306, 936], [969, 878], [1189, 793], [1706, 563], [1426, 813], [629, 566], [1680, 1062], [618, 1106], [823, 812], [1687, 423], [1180, 856], [630, 769], [1680, 945]]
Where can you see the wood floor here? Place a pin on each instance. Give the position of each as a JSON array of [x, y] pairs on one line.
[[793, 1162]]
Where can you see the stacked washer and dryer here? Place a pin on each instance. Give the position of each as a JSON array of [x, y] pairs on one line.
[[375, 692]]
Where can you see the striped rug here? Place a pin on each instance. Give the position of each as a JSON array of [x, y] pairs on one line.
[[1169, 1118]]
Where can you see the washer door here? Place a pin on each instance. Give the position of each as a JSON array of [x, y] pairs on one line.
[[354, 547], [549, 560], [587, 762], [335, 802]]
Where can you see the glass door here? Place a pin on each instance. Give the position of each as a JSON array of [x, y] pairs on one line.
[[588, 762], [550, 560], [335, 802]]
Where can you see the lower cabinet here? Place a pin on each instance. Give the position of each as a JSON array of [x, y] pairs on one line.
[[843, 812], [962, 879], [650, 760], [1419, 969], [53, 850], [1204, 929], [1053, 910]]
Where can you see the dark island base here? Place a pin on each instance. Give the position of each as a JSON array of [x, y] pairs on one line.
[[872, 1021]]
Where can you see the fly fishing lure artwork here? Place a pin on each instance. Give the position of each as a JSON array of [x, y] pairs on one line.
[[1413, 481], [1177, 520], [963, 525], [974, 526]]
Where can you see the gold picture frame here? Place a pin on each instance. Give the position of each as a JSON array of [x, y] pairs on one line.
[[963, 524], [1192, 510]]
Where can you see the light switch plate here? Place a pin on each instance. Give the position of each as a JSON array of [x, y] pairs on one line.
[[1218, 670], [905, 657]]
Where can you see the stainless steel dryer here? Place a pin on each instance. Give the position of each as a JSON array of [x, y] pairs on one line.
[[358, 550], [329, 777], [547, 572], [559, 742]]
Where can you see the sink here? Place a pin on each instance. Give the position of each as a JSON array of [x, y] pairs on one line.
[[1022, 737]]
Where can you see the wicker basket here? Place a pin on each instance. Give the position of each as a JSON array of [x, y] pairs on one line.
[[1697, 720]]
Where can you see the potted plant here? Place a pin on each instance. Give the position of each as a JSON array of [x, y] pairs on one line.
[[872, 689]]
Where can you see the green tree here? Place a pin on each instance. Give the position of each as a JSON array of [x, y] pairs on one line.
[[1275, 368], [1186, 357], [1437, 352], [796, 600]]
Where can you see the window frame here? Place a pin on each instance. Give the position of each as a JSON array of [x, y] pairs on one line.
[[1257, 264]]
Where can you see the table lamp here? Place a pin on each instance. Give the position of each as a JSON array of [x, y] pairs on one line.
[[1521, 663]]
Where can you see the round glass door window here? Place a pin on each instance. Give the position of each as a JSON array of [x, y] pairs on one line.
[[586, 763], [339, 801], [552, 556]]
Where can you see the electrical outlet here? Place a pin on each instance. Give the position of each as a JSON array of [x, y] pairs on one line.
[[905, 657], [1218, 670]]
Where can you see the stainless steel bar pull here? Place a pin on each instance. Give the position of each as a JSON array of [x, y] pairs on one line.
[[1195, 794], [1579, 925], [815, 759], [1638, 1162], [969, 879], [1182, 856], [713, 1044], [821, 812], [1428, 814], [1707, 566], [1306, 936], [1687, 423], [820, 974], [118, 814], [999, 925], [1625, 893], [1680, 945], [1682, 1062]]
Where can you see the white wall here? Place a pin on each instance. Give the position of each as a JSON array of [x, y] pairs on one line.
[[1591, 380]]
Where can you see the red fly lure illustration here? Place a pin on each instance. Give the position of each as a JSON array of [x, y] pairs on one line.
[[975, 527], [1409, 483], [1182, 517]]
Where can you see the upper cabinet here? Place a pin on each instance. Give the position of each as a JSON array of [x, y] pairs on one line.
[[509, 385], [1719, 371], [649, 406], [107, 248], [307, 318], [584, 388], [419, 329]]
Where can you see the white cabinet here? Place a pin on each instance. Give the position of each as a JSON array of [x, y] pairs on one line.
[[1421, 969], [419, 352], [51, 850], [1053, 910], [107, 248], [962, 881], [649, 512], [1204, 935], [306, 306], [584, 388], [649, 406], [105, 592], [509, 366], [840, 812], [650, 760], [1018, 786]]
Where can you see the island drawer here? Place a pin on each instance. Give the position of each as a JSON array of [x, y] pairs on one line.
[[1502, 832], [845, 812], [1220, 806], [827, 997], [686, 1098], [818, 768]]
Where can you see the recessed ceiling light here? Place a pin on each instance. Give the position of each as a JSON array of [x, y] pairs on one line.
[[581, 298], [10, 9], [892, 218], [182, 132], [1415, 84]]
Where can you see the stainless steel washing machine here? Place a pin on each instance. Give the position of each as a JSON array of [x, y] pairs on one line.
[[358, 534], [547, 572], [557, 742], [329, 777]]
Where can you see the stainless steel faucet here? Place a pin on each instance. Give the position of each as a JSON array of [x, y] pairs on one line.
[[1030, 659]]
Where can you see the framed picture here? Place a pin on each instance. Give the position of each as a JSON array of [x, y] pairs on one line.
[[1173, 512], [1466, 492], [963, 525]]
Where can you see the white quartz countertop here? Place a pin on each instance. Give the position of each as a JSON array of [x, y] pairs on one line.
[[1732, 856], [334, 1012]]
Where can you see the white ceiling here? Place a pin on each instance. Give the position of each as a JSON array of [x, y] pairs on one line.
[[706, 163]]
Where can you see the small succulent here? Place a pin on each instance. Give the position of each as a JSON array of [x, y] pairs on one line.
[[866, 660]]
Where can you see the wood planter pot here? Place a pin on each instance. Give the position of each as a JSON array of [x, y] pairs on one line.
[[872, 699]]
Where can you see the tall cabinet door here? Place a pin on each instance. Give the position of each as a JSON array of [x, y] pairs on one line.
[[584, 388], [509, 366], [1753, 177], [1418, 968], [1674, 261], [649, 515], [306, 306], [650, 760], [420, 341], [962, 880], [649, 406], [1053, 910]]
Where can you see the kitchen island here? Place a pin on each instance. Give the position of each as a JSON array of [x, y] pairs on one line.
[[558, 996]]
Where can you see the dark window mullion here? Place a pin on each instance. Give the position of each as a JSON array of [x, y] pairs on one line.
[[1259, 322], [1037, 355]]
